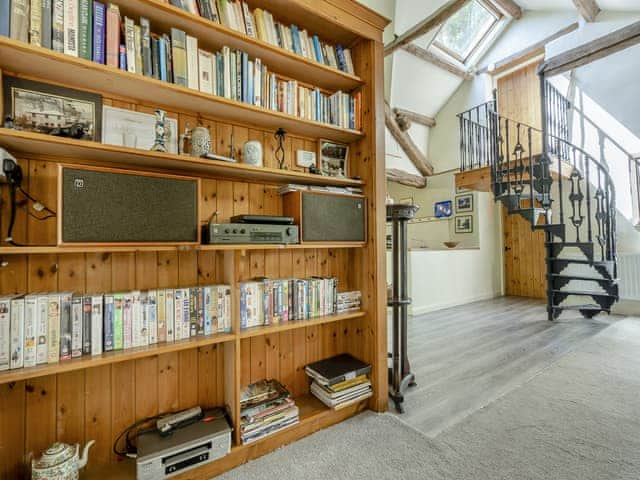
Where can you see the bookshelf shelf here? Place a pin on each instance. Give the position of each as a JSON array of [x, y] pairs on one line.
[[81, 151], [107, 358], [283, 327], [87, 75]]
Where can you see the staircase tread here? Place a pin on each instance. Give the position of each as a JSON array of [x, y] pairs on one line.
[[588, 306], [582, 261], [568, 244], [583, 292], [585, 278]]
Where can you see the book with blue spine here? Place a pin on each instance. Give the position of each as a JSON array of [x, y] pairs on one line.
[[108, 317], [317, 49], [250, 81], [122, 57], [99, 32], [342, 63], [5, 17], [295, 40], [162, 54]]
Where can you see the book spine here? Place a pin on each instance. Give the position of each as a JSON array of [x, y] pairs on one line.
[[162, 55], [137, 38], [143, 325], [155, 57], [130, 43], [193, 312], [169, 59], [147, 66], [108, 323], [186, 314], [200, 310], [86, 326], [136, 320], [17, 333], [5, 333], [30, 326], [161, 306], [19, 28], [118, 334], [76, 326], [207, 309], [85, 29], [53, 334], [5, 25], [170, 313], [152, 316], [57, 26], [42, 329], [177, 315], [179, 55], [96, 325], [204, 68], [342, 64], [122, 57], [65, 326], [99, 32], [35, 30], [127, 326], [192, 63], [71, 27], [113, 36]]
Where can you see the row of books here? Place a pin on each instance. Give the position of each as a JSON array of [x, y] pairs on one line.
[[294, 187], [92, 30], [266, 407], [46, 328], [267, 301], [260, 24], [339, 381]]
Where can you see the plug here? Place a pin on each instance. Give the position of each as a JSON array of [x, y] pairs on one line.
[[11, 171]]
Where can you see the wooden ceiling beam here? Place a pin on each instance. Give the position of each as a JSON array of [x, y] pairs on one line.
[[594, 50], [589, 9], [437, 60], [409, 116], [435, 19], [511, 7], [406, 143], [403, 178]]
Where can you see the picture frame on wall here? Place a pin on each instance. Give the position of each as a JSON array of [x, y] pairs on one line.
[[333, 158], [464, 203], [443, 209], [128, 128], [464, 224], [51, 109]]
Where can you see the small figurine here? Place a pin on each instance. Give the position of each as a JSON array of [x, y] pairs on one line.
[[160, 129], [279, 153], [252, 153]]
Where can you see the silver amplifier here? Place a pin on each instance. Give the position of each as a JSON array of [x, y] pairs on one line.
[[186, 448], [249, 233]]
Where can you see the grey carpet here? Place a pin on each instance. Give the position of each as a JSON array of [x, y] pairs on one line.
[[578, 419]]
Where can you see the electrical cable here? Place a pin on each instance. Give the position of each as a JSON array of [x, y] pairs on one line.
[[44, 207]]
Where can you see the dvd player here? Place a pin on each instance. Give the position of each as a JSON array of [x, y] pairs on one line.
[[249, 233]]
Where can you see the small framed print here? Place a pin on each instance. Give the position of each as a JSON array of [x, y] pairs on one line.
[[128, 128], [464, 224], [443, 209], [333, 158], [464, 203]]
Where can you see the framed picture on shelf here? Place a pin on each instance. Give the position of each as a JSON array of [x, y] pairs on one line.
[[51, 109], [464, 224], [333, 158], [464, 203], [443, 209], [128, 128]]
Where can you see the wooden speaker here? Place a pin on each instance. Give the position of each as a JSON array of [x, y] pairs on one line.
[[106, 206], [327, 217]]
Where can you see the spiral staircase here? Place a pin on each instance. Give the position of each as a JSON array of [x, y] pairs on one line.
[[558, 188]]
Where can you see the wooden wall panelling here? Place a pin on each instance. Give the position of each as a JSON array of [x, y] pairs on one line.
[[40, 414], [70, 407], [97, 409], [123, 411], [12, 431], [188, 378]]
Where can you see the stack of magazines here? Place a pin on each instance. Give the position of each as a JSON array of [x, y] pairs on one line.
[[266, 407], [340, 381]]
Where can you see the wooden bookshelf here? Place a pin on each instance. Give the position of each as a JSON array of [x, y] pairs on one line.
[[97, 397]]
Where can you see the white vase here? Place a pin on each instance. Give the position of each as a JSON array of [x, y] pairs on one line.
[[252, 153]]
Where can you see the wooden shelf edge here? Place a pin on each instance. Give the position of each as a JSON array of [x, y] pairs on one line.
[[84, 74], [283, 327], [107, 358]]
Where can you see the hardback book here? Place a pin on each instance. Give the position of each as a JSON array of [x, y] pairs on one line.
[[118, 305], [57, 25], [137, 320], [226, 72], [161, 312], [317, 49], [19, 29], [205, 66], [99, 32], [179, 56], [122, 57], [53, 334], [170, 314], [5, 25], [30, 327], [137, 37], [192, 62], [169, 58], [17, 333], [162, 56], [152, 316], [76, 326], [143, 335], [5, 332], [45, 23], [193, 312], [96, 324], [42, 329], [86, 325], [112, 44], [108, 323], [209, 307], [200, 310], [71, 16], [349, 61], [178, 304], [248, 20], [342, 64], [186, 313], [215, 16], [203, 8], [337, 369], [130, 42], [155, 56], [65, 326], [147, 67], [127, 320], [35, 21], [190, 6], [85, 29]]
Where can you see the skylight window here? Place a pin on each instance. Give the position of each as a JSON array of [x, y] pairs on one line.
[[465, 30]]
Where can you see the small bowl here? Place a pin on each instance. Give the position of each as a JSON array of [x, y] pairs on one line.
[[451, 244]]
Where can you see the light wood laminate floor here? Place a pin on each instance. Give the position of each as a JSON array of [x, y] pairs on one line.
[[467, 356]]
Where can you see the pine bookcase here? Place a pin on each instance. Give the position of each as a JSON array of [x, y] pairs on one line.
[[97, 397]]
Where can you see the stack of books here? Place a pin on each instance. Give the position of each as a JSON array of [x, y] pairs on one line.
[[267, 301], [340, 381], [266, 407], [51, 327], [293, 187], [349, 301]]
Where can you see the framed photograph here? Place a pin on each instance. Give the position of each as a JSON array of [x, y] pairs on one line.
[[464, 224], [44, 108], [464, 203], [332, 158], [127, 128], [443, 209]]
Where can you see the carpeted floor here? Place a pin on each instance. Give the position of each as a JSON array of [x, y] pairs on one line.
[[578, 419]]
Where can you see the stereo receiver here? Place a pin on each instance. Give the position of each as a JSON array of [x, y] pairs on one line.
[[249, 233]]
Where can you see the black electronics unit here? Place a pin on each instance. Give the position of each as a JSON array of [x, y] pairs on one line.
[[101, 205], [268, 219], [230, 233]]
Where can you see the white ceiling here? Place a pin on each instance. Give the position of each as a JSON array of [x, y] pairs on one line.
[[619, 5]]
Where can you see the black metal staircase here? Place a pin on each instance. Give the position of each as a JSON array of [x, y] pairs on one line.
[[558, 188]]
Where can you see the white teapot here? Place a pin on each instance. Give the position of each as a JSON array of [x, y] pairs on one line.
[[60, 462]]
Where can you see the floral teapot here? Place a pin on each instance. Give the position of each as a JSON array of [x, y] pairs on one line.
[[60, 462]]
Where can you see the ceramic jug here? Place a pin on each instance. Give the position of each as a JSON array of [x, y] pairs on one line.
[[60, 462]]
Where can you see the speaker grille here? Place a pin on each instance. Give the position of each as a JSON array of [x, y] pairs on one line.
[[108, 207], [333, 218]]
